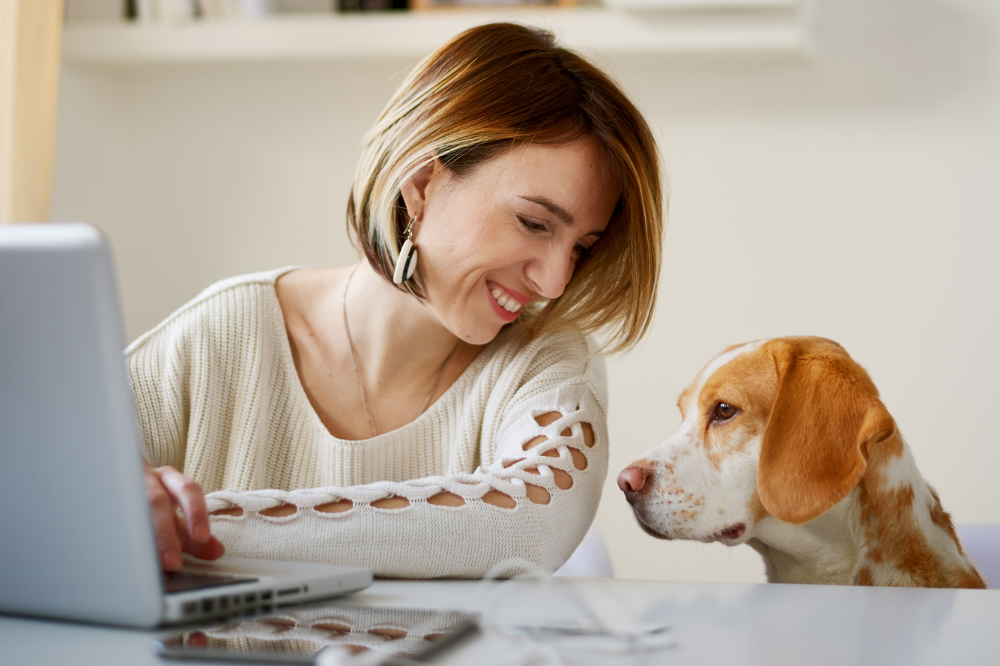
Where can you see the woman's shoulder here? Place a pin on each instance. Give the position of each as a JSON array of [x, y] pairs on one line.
[[565, 352], [566, 344], [220, 305], [535, 370]]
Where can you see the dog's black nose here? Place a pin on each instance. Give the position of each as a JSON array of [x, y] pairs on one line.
[[631, 480]]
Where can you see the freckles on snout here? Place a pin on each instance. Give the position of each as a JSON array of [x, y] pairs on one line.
[[662, 506]]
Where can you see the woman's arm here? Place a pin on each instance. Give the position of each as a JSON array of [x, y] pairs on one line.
[[156, 370], [177, 504], [533, 501]]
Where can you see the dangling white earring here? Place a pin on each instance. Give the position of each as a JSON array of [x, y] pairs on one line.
[[406, 262]]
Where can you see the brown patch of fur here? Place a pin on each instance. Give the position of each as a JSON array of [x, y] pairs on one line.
[[689, 515], [869, 517], [942, 519], [962, 577], [682, 400], [892, 535], [969, 580], [755, 508], [868, 521], [883, 452], [864, 577], [748, 383]]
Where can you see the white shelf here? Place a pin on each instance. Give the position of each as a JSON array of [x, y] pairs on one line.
[[771, 26]]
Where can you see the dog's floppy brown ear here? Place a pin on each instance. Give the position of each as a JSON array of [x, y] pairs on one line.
[[815, 445]]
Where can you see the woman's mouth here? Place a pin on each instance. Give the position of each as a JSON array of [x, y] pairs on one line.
[[504, 304]]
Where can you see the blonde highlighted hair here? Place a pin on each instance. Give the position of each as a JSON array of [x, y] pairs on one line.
[[491, 88]]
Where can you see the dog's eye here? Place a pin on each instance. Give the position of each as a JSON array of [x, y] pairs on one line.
[[724, 411]]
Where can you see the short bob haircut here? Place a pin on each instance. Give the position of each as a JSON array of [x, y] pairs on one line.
[[489, 89]]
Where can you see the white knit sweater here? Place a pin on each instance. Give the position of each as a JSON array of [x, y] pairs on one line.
[[218, 397]]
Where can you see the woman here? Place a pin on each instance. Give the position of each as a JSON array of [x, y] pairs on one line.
[[436, 409]]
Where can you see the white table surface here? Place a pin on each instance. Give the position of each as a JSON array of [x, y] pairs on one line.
[[712, 623]]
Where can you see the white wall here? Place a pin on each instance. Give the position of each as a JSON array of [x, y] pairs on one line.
[[852, 195]]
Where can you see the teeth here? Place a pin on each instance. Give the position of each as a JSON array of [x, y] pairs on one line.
[[506, 302]]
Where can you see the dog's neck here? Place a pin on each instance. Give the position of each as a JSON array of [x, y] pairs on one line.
[[821, 551], [890, 530]]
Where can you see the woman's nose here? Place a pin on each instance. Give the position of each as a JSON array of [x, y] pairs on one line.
[[550, 273]]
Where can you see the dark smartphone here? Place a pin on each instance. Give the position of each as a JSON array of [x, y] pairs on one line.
[[377, 635]]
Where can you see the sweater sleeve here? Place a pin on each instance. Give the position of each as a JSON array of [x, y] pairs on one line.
[[551, 476], [155, 364]]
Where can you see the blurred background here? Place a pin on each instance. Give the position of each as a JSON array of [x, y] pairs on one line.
[[833, 169]]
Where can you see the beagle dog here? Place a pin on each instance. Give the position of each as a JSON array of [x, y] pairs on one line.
[[785, 446]]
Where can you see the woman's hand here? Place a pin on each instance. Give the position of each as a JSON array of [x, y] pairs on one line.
[[167, 490]]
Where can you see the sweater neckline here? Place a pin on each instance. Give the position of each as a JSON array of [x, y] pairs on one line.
[[288, 364]]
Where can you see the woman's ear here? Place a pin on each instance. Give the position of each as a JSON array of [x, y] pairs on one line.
[[825, 415], [415, 190]]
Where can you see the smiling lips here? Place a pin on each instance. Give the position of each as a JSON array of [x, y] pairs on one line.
[[504, 301]]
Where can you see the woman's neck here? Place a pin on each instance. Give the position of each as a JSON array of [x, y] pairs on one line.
[[396, 338]]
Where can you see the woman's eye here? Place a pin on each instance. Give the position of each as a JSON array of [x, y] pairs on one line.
[[724, 411], [530, 225]]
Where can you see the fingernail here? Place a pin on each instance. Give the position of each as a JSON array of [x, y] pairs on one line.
[[201, 533], [172, 560]]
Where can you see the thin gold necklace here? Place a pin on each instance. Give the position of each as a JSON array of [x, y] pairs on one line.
[[357, 374]]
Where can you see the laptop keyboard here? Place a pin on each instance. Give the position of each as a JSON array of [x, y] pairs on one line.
[[181, 581]]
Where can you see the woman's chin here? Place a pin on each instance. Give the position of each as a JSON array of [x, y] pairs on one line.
[[482, 334], [481, 337]]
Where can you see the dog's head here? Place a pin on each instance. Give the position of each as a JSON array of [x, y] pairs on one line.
[[779, 427]]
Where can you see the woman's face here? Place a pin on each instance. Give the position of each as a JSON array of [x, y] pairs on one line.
[[509, 233]]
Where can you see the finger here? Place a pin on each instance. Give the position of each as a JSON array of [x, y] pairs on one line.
[[164, 524], [189, 495], [207, 550]]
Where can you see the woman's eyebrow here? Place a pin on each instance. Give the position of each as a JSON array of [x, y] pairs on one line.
[[552, 207]]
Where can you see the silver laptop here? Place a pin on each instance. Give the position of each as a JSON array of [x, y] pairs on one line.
[[76, 537]]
